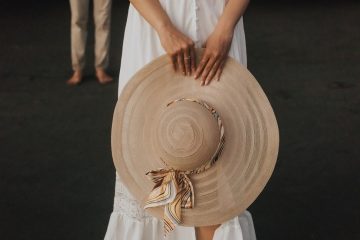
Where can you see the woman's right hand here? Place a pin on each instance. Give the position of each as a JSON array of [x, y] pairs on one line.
[[180, 49]]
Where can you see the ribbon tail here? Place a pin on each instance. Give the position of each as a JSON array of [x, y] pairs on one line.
[[188, 195], [161, 195], [174, 191], [172, 214]]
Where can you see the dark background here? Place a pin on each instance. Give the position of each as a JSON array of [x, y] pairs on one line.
[[56, 172]]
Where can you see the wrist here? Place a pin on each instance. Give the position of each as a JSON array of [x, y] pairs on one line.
[[164, 27], [225, 28]]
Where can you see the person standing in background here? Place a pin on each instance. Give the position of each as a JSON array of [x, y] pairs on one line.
[[79, 22]]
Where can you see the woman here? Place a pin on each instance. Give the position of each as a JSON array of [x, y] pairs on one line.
[[176, 28]]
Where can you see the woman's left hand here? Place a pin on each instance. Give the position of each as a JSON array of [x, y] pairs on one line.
[[212, 62]]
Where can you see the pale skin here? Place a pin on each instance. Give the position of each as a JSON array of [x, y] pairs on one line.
[[181, 51]]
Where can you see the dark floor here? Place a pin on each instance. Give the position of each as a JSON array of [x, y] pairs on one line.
[[56, 172]]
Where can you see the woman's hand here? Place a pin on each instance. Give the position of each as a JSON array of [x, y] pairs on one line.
[[180, 48], [217, 47], [218, 44]]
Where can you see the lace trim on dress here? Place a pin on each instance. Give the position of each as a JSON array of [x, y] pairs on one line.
[[125, 204]]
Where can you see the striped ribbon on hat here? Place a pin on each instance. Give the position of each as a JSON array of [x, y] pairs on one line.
[[173, 188]]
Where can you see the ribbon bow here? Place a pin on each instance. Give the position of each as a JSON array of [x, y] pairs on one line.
[[173, 190]]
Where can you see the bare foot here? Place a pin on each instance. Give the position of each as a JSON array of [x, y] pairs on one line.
[[102, 76], [75, 78]]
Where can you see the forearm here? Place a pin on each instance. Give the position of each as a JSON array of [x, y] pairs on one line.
[[153, 13], [232, 12]]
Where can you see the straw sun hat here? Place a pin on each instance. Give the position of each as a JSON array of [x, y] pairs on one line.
[[194, 155]]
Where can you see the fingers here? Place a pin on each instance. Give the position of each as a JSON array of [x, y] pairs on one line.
[[210, 67], [212, 72], [173, 61], [183, 59], [187, 61], [219, 71], [189, 58], [193, 60], [207, 69], [180, 62], [204, 59]]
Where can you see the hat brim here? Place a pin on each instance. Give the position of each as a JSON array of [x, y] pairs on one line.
[[247, 160]]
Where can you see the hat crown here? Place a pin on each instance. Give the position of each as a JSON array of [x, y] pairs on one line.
[[247, 158], [186, 136]]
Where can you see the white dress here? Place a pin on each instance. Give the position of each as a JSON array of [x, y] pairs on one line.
[[141, 44]]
